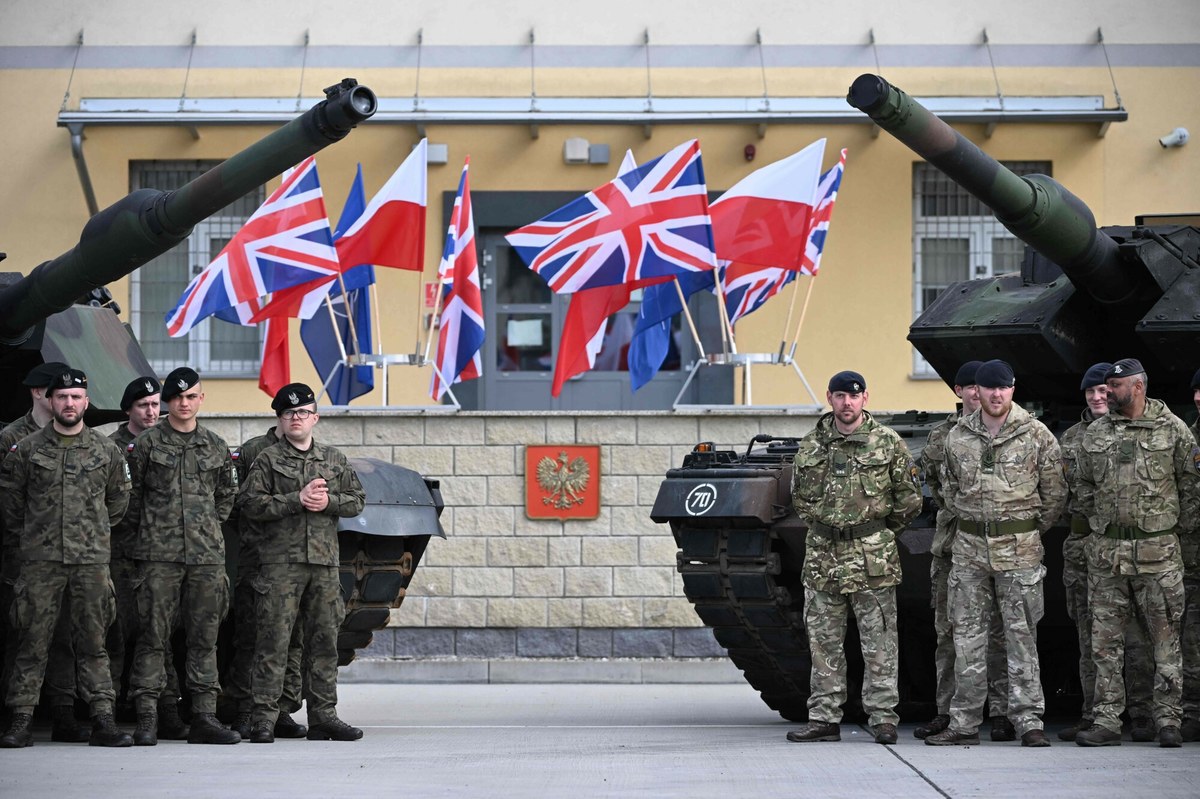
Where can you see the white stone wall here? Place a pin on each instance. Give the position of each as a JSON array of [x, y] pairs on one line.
[[499, 569]]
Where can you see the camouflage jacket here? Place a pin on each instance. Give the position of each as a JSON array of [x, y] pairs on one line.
[[249, 531], [843, 480], [1069, 444], [124, 533], [1143, 473], [933, 458], [10, 435], [1015, 475], [184, 485], [271, 496], [61, 499]]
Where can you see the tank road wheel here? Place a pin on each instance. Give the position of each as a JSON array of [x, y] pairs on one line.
[[730, 577], [375, 571]]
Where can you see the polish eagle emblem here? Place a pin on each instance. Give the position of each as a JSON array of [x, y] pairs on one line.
[[564, 480]]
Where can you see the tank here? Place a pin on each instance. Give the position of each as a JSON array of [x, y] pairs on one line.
[[1084, 294], [61, 312]]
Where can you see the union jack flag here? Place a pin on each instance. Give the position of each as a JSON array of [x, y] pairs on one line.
[[285, 243], [652, 221], [461, 334], [827, 191]]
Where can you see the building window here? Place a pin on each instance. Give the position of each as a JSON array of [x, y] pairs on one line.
[[956, 238], [213, 348]]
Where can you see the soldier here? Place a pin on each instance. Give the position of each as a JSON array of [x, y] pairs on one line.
[[1139, 487], [1003, 480], [59, 685], [296, 490], [239, 687], [184, 485], [1191, 617], [932, 457], [61, 489], [855, 485]]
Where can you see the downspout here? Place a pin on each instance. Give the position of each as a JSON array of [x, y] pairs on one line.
[[85, 180]]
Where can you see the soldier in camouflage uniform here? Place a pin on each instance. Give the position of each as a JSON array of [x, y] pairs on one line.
[[61, 489], [141, 402], [238, 687], [855, 485], [1190, 641], [932, 457], [1139, 487], [296, 490], [184, 485], [59, 685], [1003, 480]]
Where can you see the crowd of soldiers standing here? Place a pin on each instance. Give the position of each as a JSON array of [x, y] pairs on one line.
[[112, 545], [1125, 480]]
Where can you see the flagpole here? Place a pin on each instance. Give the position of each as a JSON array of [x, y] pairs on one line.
[[420, 302], [688, 316], [787, 323], [349, 316], [437, 306], [727, 327], [337, 334], [803, 313]]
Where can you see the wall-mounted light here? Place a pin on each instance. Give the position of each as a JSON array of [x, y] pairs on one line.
[[437, 153], [575, 150], [1176, 138]]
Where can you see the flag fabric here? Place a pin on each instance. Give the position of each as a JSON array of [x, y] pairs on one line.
[[650, 222], [286, 242], [764, 218], [652, 335], [461, 332], [391, 231], [318, 332], [831, 181], [276, 369]]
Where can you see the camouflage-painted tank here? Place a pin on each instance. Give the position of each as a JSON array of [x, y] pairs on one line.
[[1084, 294], [54, 314]]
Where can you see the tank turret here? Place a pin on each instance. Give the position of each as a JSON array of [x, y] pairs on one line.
[[40, 319], [1084, 294]]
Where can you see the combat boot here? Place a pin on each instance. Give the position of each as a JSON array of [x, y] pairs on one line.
[[105, 732], [263, 732], [816, 731], [1190, 730], [146, 732], [932, 727], [65, 729], [1036, 738], [1002, 729], [884, 733], [1097, 735], [207, 730], [171, 726], [953, 738], [288, 727], [1169, 738], [20, 734], [1069, 733], [1141, 730], [333, 730], [241, 724]]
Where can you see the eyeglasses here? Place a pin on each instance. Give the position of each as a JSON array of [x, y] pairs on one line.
[[302, 413]]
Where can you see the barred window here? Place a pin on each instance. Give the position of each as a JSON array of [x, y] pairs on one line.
[[956, 238], [213, 347]]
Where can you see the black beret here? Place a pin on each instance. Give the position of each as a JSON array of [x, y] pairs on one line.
[[1196, 379], [138, 388], [1095, 375], [69, 378], [1126, 367], [850, 382], [995, 374], [44, 374], [965, 376], [179, 380], [293, 395]]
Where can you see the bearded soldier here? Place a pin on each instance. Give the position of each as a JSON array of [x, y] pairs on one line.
[[856, 486]]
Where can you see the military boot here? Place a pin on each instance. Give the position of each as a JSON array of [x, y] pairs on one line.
[[1035, 738], [333, 730], [146, 732], [1069, 733], [932, 727], [20, 734], [950, 737], [1169, 738], [1097, 735], [171, 726], [105, 732], [816, 731], [207, 730], [263, 732], [65, 729], [241, 724], [1142, 730], [1003, 729], [884, 733], [288, 727]]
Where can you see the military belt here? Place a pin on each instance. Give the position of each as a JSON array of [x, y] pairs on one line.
[[1127, 532], [1079, 524], [847, 533], [1006, 527]]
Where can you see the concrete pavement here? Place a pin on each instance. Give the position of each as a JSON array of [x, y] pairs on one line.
[[586, 740]]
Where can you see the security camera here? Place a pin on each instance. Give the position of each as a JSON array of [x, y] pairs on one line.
[[1176, 138]]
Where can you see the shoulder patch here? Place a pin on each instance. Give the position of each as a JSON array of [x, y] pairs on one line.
[[1196, 457], [13, 448], [130, 447], [914, 473]]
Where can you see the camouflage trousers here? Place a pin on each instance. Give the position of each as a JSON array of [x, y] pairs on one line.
[[943, 656], [199, 597], [1114, 600], [826, 616], [58, 687], [1190, 644], [291, 594], [37, 601], [976, 591], [123, 635], [239, 683]]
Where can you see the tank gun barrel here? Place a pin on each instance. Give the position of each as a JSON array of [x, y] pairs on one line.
[[148, 223], [1036, 209]]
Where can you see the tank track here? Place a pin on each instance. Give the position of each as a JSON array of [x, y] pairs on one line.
[[374, 571], [732, 578]]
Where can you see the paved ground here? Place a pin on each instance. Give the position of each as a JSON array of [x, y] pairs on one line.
[[581, 741]]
